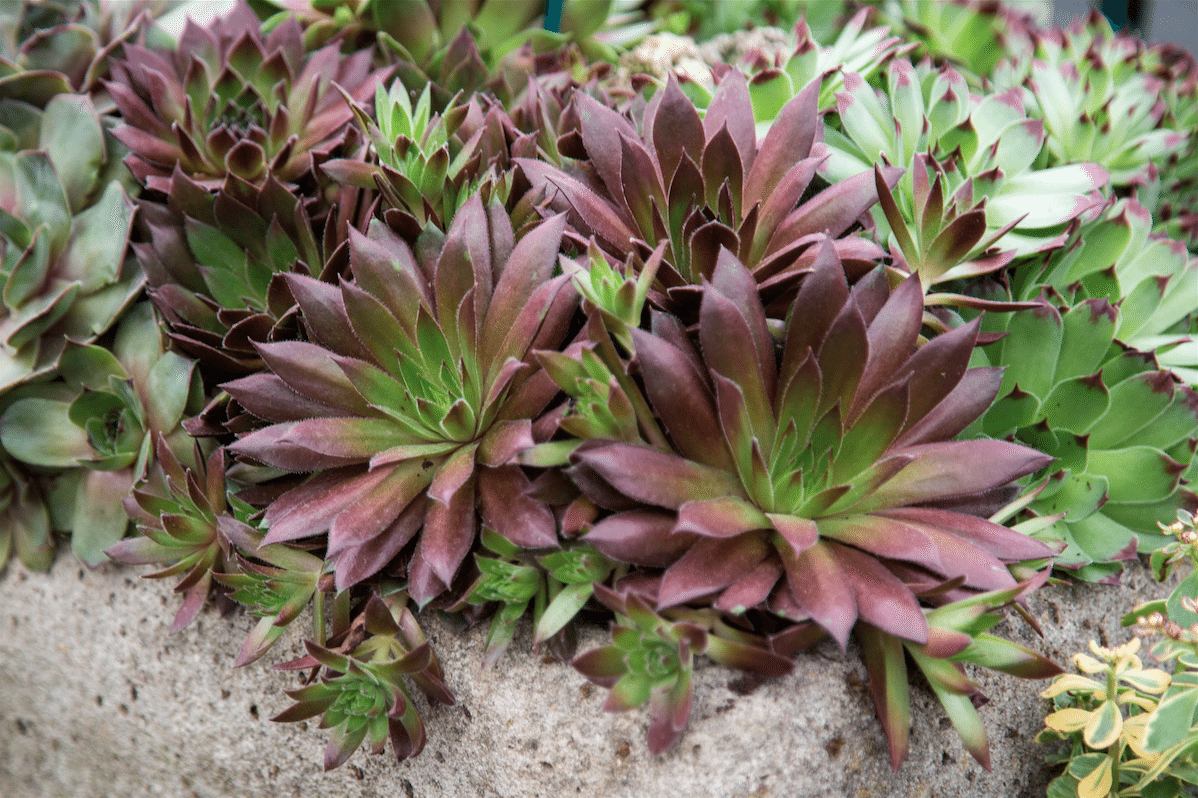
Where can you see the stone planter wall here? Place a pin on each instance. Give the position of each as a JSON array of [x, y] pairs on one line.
[[96, 699]]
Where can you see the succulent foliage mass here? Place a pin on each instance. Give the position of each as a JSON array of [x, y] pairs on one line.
[[354, 309]]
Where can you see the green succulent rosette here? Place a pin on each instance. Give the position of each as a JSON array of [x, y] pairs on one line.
[[1097, 102], [986, 142], [697, 185], [65, 220], [231, 100], [25, 528], [1121, 429], [414, 393], [363, 694], [1152, 279], [651, 660], [51, 47], [856, 48], [98, 424], [215, 264]]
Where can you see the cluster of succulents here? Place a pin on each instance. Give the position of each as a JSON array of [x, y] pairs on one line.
[[373, 307]]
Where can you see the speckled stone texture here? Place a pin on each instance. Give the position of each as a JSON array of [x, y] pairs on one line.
[[96, 699]]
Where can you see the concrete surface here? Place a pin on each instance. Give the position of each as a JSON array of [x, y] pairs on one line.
[[96, 699]]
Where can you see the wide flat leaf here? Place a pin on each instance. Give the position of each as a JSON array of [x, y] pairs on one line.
[[821, 589], [640, 537], [710, 565], [655, 477], [954, 468]]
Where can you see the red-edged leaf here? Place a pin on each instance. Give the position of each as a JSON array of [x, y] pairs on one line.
[[348, 438], [268, 446], [682, 399], [892, 336], [752, 589], [971, 397], [709, 566], [673, 125], [654, 477], [789, 141], [1001, 542], [731, 106], [640, 537], [449, 527], [601, 128], [882, 599], [821, 589], [310, 370], [529, 267], [887, 667], [833, 210], [311, 508], [508, 508], [363, 559], [724, 517], [954, 468]]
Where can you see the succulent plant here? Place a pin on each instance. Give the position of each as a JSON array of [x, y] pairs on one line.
[[25, 528], [182, 524], [1097, 105], [1122, 430], [413, 395], [957, 633], [947, 238], [51, 47], [425, 172], [276, 592], [1171, 191], [101, 423], [364, 692], [815, 485], [65, 219], [651, 659], [971, 35], [215, 262], [700, 185], [857, 49], [1153, 281], [557, 584], [990, 141], [230, 101], [1093, 710]]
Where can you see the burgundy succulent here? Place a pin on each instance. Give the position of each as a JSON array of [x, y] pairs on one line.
[[412, 396], [814, 475], [705, 184], [229, 101]]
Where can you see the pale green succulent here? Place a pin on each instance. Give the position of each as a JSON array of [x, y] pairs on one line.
[[65, 217], [1152, 279], [990, 141], [1120, 428], [1097, 102], [856, 49], [98, 425]]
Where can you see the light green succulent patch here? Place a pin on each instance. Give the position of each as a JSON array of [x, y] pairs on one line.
[[65, 218], [98, 425]]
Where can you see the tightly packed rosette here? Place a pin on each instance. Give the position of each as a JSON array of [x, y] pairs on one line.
[[701, 184], [414, 393], [229, 101], [987, 142], [65, 219], [821, 484]]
